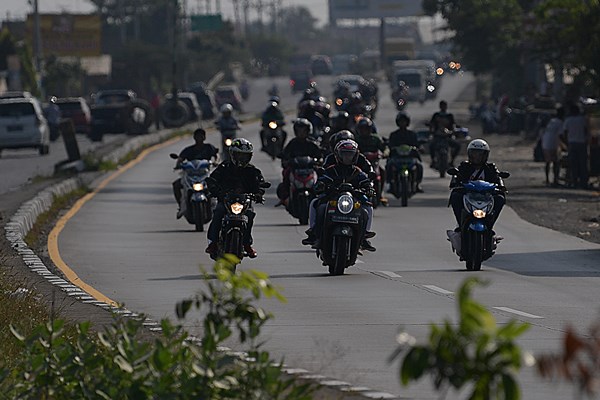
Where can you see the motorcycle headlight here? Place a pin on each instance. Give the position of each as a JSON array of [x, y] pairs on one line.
[[479, 213], [198, 187], [430, 88], [345, 204], [228, 142], [236, 208], [273, 125]]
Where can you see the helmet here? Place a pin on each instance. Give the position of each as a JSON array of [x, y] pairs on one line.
[[301, 123], [53, 99], [273, 106], [478, 151], [241, 152], [341, 135], [275, 99], [226, 108], [402, 116], [346, 152], [364, 125], [340, 121]]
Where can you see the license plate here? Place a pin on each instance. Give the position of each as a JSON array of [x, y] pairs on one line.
[[344, 219], [14, 128]]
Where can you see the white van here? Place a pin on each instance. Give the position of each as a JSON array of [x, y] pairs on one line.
[[22, 125]]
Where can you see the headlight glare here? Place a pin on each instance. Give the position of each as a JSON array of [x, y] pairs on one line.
[[236, 208], [273, 125], [198, 187], [345, 204], [479, 213]]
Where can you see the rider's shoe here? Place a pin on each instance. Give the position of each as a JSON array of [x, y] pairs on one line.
[[250, 251], [212, 248], [366, 245], [180, 213], [370, 234], [454, 238], [420, 189], [310, 239], [384, 201]]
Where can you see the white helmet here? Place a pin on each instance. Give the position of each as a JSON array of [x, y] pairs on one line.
[[226, 108], [478, 151]]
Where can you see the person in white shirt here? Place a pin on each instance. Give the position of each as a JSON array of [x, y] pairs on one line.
[[551, 144]]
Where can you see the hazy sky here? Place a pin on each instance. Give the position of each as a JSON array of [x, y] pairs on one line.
[[19, 8]]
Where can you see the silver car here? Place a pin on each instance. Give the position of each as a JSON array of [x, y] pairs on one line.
[[22, 125]]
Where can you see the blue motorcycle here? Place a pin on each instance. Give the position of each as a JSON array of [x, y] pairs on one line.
[[196, 205]]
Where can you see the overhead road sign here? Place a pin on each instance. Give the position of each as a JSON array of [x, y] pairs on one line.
[[362, 9]]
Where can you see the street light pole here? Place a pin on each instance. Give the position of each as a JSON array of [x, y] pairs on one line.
[[38, 46]]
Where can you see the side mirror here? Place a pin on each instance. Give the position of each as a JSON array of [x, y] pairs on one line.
[[174, 156], [265, 185], [452, 172], [504, 174]]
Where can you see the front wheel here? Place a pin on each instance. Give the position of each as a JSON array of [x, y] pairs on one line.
[[342, 244], [198, 216], [404, 190], [475, 251], [303, 211], [233, 243]]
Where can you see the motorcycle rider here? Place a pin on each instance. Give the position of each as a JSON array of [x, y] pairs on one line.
[[299, 146], [368, 141], [345, 170], [442, 126], [362, 162], [239, 176], [227, 122], [53, 116], [475, 168], [403, 135], [198, 151], [339, 122], [272, 113]]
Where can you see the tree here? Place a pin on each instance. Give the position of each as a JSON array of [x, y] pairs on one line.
[[63, 79], [299, 24]]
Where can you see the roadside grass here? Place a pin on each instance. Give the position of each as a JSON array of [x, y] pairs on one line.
[[23, 309], [59, 203]]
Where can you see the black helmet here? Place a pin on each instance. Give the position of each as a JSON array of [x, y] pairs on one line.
[[341, 135], [402, 116], [340, 121], [302, 123], [346, 152], [365, 124], [241, 152]]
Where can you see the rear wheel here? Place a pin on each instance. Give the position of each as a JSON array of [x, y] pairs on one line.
[[341, 249], [442, 164]]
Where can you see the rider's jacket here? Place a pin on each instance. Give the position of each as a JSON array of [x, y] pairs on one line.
[[370, 143], [194, 152], [299, 148], [399, 137], [229, 178], [469, 172], [338, 174], [227, 124], [272, 114], [362, 163]]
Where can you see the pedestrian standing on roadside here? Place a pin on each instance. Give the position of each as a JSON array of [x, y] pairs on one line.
[[155, 104], [551, 144], [577, 137]]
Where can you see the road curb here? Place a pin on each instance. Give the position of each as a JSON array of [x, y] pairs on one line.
[[24, 219]]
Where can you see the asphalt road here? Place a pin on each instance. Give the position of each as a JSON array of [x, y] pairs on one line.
[[127, 244]]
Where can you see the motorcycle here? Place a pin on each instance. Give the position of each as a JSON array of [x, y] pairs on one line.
[[402, 169], [196, 205], [344, 229], [274, 138], [441, 149], [477, 240], [235, 223], [375, 158], [303, 177]]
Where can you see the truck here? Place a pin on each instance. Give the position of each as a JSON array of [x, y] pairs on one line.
[[119, 111], [415, 80], [428, 67], [398, 48]]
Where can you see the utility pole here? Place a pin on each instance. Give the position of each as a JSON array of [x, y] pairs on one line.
[[236, 14], [259, 10], [38, 46], [246, 9]]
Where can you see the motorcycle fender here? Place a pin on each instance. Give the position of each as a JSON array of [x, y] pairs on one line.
[[477, 226], [342, 230], [198, 197]]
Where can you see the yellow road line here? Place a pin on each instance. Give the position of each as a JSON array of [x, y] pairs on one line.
[[54, 234]]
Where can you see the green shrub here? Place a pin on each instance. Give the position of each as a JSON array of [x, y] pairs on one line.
[[120, 364], [476, 352]]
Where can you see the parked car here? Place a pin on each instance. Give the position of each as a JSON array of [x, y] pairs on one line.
[[300, 80], [77, 109], [228, 94], [22, 125], [189, 98], [321, 65]]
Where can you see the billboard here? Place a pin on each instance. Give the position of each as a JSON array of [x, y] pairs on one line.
[[68, 34], [358, 9]]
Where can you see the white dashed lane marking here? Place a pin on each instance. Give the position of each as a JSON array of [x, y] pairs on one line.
[[517, 312], [390, 274], [437, 289]]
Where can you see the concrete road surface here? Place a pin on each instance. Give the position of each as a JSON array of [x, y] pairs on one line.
[[127, 243]]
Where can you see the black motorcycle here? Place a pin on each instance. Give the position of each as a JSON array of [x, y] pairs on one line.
[[402, 166], [235, 223], [441, 151], [274, 138], [303, 177], [344, 228]]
